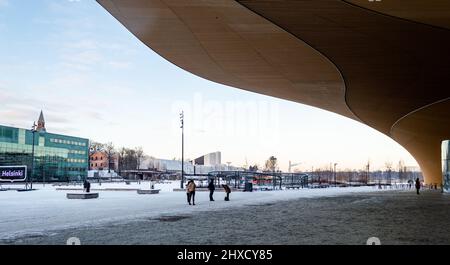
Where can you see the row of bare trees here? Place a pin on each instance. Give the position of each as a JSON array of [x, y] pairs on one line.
[[271, 165], [128, 158], [364, 175], [401, 173]]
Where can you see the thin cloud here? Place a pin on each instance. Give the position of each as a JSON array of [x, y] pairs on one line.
[[85, 44], [84, 58], [94, 115], [4, 3], [119, 65], [22, 111]]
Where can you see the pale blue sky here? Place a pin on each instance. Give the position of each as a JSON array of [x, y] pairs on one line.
[[94, 79]]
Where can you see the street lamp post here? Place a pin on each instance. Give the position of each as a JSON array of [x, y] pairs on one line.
[[330, 176], [335, 183], [182, 149], [368, 174], [33, 130]]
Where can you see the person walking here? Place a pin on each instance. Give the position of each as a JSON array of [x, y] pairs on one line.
[[190, 190], [211, 188], [152, 185], [417, 186], [87, 186], [227, 191], [188, 193]]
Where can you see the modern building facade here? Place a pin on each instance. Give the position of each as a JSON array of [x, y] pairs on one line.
[[189, 167], [56, 157]]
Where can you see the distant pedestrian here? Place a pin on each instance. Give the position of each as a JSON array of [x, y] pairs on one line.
[[417, 186], [227, 191], [87, 186], [211, 188], [190, 191]]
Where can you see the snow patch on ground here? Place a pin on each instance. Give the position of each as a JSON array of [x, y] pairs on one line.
[[40, 212]]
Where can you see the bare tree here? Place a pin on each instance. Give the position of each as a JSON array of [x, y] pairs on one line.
[[367, 172], [151, 162], [330, 174], [388, 165], [121, 157], [349, 174], [139, 153], [319, 175], [110, 152], [129, 159], [401, 171], [139, 156], [95, 146], [271, 164], [253, 168]]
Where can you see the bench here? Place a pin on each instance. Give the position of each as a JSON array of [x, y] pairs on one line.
[[82, 196], [148, 191]]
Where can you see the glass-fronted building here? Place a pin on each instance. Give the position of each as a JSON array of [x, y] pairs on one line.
[[446, 165], [56, 157]]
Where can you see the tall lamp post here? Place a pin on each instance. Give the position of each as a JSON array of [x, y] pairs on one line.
[[335, 183], [182, 149], [368, 173], [33, 130]]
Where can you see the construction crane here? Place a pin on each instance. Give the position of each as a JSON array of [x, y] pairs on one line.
[[293, 165]]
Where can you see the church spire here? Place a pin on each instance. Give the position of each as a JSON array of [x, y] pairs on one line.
[[41, 122]]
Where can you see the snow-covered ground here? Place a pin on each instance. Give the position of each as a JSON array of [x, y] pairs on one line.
[[41, 211]]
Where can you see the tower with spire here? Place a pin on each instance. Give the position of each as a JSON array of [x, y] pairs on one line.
[[41, 123]]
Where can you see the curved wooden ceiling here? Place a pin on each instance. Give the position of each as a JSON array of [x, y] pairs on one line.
[[435, 12], [224, 42], [392, 67], [390, 73]]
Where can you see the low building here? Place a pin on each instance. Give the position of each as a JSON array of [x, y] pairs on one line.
[[98, 160], [57, 157], [211, 159], [165, 165]]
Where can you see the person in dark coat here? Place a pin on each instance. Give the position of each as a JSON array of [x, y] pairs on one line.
[[211, 188], [417, 186], [227, 191], [87, 186]]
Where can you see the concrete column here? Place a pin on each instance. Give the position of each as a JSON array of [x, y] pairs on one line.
[[446, 165]]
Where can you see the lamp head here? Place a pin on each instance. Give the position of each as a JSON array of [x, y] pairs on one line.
[[33, 127]]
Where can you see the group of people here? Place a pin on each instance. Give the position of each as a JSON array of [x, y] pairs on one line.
[[190, 191]]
